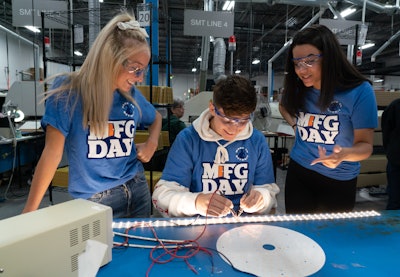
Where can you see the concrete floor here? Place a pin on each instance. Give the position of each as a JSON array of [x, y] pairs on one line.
[[13, 197]]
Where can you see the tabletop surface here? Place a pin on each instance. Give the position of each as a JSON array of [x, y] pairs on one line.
[[23, 138], [366, 245]]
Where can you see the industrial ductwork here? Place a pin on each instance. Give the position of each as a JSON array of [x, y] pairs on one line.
[[371, 5], [219, 59]]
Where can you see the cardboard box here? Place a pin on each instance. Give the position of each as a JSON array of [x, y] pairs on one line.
[[156, 177], [367, 180], [141, 136], [160, 94], [378, 138], [384, 98], [60, 178], [29, 74], [374, 164]]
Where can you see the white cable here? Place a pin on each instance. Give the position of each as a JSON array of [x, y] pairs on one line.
[[152, 246], [147, 238]]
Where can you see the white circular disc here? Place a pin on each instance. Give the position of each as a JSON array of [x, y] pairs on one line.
[[19, 116], [265, 250]]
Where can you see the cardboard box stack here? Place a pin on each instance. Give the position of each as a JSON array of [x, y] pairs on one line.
[[373, 169]]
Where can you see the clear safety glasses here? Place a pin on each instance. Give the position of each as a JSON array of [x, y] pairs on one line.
[[306, 62], [231, 121]]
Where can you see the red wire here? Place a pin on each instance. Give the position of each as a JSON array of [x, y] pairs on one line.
[[173, 253]]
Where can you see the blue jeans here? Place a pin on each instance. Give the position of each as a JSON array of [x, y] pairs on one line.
[[131, 199], [393, 186]]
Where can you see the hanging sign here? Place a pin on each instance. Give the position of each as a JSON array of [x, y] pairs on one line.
[[204, 23], [345, 30], [143, 15], [28, 13]]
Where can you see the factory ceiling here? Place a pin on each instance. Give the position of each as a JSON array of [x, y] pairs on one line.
[[261, 28]]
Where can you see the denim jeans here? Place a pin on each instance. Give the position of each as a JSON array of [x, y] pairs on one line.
[[131, 199]]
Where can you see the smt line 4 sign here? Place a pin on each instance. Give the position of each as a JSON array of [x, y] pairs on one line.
[[29, 13], [203, 23]]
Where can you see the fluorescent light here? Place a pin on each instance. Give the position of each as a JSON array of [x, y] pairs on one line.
[[367, 45], [256, 61], [33, 29], [238, 71], [346, 12], [287, 43], [228, 5], [77, 53], [378, 80], [194, 69]]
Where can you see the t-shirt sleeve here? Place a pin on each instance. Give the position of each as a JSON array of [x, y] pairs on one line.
[[265, 169], [365, 112], [147, 109], [179, 165], [57, 111]]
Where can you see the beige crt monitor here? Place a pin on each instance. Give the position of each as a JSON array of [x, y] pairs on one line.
[[47, 242]]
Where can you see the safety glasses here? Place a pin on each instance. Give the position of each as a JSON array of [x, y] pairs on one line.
[[231, 121], [306, 62], [134, 70]]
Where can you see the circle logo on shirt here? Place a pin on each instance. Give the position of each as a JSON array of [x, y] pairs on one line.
[[242, 154], [335, 107], [128, 109]]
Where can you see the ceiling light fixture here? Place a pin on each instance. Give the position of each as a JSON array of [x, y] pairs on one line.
[[238, 71], [228, 6], [346, 12], [33, 29], [256, 61], [194, 69], [199, 59], [77, 53], [367, 45]]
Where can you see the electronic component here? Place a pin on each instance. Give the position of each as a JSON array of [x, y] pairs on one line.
[[47, 242]]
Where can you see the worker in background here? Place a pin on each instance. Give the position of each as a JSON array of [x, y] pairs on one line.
[[391, 144], [172, 123]]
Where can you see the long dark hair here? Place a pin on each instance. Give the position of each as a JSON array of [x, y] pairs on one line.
[[337, 73]]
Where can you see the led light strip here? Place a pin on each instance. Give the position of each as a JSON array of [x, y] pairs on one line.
[[243, 219]]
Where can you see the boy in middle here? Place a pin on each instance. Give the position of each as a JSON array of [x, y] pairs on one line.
[[220, 164]]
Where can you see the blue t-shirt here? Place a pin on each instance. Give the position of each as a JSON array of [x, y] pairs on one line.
[[350, 109], [97, 164], [191, 164]]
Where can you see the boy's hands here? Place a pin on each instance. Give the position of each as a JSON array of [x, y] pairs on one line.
[[251, 202], [213, 204], [217, 205]]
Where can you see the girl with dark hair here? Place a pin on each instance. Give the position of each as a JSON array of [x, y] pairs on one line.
[[333, 110]]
